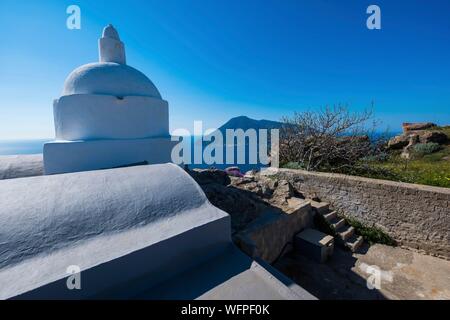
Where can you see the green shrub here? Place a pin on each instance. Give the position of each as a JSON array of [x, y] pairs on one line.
[[445, 129], [426, 148], [380, 157], [369, 170], [371, 234], [293, 165], [431, 170]]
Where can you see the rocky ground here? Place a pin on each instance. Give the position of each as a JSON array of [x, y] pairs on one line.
[[244, 198], [414, 133], [404, 274]]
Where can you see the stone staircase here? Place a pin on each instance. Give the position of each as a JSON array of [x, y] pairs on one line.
[[345, 234]]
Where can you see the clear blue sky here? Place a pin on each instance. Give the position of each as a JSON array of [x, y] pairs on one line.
[[216, 59]]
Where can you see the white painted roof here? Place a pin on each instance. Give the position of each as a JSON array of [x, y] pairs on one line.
[[109, 78], [111, 75]]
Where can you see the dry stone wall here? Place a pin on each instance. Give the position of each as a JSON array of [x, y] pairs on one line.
[[416, 216]]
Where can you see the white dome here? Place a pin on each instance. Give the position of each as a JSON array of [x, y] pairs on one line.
[[109, 78]]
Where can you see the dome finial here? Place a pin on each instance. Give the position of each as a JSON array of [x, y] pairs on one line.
[[110, 32], [111, 49]]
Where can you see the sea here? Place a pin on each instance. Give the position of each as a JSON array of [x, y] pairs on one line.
[[11, 147], [14, 147]]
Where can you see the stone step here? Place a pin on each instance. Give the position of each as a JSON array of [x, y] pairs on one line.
[[345, 232], [330, 216], [320, 207], [337, 223], [295, 205], [354, 242]]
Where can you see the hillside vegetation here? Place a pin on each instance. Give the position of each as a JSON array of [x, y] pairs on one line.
[[424, 168], [335, 140]]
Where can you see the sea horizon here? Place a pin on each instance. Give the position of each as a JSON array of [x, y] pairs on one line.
[[34, 146]]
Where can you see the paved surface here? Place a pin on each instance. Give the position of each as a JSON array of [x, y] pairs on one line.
[[230, 276], [403, 274], [406, 274]]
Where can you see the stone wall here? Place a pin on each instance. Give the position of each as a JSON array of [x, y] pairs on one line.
[[265, 214], [416, 216], [268, 236]]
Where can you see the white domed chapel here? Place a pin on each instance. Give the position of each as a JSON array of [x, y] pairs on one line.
[[109, 115]]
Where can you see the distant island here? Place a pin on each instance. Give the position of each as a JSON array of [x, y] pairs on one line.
[[245, 123]]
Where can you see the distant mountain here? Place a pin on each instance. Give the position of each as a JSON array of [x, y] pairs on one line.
[[245, 123]]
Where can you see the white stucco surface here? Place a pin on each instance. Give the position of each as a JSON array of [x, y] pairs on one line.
[[110, 32], [109, 115], [111, 49], [74, 156], [19, 166], [109, 78], [91, 218], [88, 117]]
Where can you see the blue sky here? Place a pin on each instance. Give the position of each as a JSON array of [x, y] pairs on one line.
[[213, 59]]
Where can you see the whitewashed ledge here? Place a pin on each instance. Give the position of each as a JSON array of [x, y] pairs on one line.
[[137, 232], [19, 166]]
